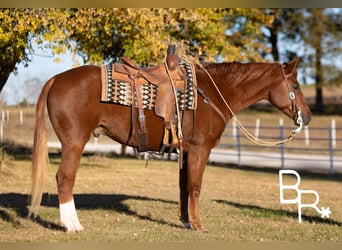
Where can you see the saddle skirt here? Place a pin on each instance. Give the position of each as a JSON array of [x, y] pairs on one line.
[[117, 87]]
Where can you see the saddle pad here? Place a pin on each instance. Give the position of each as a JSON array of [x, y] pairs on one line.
[[118, 91]]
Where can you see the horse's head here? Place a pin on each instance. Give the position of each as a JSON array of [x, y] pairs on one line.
[[288, 97]]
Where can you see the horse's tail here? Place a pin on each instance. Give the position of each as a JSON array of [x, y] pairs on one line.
[[39, 152]]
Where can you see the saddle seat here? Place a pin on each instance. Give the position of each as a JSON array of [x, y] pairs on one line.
[[156, 75]]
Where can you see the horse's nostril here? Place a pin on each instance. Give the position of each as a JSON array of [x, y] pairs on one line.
[[307, 120]]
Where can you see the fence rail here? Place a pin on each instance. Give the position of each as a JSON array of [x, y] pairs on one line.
[[323, 141], [312, 141]]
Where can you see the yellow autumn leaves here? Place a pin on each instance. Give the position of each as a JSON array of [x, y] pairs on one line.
[[100, 35]]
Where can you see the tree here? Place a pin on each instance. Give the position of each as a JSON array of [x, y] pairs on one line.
[[104, 35], [143, 34], [281, 20], [14, 26], [320, 32]]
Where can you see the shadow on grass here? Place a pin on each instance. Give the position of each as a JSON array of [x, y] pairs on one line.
[[268, 212], [18, 203]]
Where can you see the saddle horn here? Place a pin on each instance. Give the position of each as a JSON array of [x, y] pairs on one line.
[[171, 50], [172, 58]]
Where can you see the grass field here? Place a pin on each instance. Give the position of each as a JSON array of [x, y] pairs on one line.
[[121, 200]]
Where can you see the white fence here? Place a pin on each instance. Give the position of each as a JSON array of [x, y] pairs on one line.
[[6, 116], [313, 141], [306, 147]]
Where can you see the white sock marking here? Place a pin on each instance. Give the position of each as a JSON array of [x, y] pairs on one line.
[[68, 216]]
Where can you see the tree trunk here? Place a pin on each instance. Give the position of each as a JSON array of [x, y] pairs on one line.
[[274, 43], [319, 106], [5, 70], [273, 38]]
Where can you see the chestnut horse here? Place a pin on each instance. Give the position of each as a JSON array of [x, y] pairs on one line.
[[75, 110]]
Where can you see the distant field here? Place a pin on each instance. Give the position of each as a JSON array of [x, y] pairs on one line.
[[331, 94], [13, 130], [119, 200]]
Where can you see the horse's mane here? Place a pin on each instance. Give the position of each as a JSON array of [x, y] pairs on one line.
[[233, 73]]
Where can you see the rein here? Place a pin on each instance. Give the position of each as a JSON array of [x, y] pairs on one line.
[[179, 124], [251, 137]]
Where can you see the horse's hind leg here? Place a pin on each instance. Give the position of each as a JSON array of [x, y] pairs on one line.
[[65, 177]]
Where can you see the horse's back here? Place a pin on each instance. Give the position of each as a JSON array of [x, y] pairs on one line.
[[76, 88]]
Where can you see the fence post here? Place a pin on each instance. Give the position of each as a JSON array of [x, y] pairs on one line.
[[21, 118], [257, 127], [234, 130], [95, 143], [331, 149], [307, 135], [1, 131], [333, 133], [282, 146], [238, 145]]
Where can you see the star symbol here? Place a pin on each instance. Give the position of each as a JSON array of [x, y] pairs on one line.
[[325, 212]]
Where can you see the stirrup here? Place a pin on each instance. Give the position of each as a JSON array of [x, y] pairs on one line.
[[175, 141], [170, 140]]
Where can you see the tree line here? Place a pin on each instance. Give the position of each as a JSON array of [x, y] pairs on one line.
[[103, 35]]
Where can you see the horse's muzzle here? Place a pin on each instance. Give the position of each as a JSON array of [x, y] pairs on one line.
[[302, 119]]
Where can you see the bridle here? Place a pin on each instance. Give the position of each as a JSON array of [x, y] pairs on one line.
[[296, 111], [250, 136]]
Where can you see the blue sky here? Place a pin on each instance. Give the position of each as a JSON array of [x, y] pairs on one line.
[[42, 67]]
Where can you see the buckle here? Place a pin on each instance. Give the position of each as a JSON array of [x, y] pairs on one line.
[[292, 95]]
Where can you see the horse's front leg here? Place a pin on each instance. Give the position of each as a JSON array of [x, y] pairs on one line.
[[184, 194], [196, 163]]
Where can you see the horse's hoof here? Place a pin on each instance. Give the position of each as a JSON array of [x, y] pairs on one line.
[[74, 228], [200, 228], [187, 225]]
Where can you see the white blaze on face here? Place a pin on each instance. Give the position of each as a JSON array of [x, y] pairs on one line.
[[68, 216]]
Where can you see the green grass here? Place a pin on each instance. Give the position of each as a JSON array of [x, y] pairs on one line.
[[119, 200]]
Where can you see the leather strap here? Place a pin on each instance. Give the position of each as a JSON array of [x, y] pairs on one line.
[[143, 138], [207, 100]]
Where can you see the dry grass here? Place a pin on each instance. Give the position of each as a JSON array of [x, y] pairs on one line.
[[121, 200]]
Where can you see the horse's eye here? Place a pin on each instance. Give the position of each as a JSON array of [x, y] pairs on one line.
[[295, 86]]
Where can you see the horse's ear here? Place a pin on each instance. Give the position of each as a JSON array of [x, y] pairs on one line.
[[294, 63], [291, 66]]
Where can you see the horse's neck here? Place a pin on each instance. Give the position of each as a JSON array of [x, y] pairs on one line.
[[241, 90]]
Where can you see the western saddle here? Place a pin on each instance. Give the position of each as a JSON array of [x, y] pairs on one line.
[[168, 77]]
